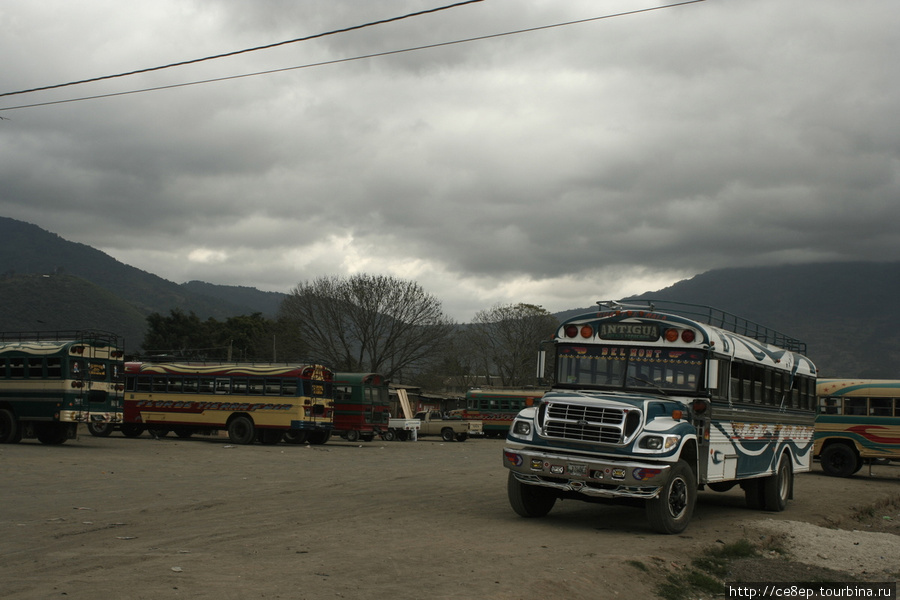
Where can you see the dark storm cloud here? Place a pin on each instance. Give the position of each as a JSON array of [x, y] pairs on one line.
[[624, 153]]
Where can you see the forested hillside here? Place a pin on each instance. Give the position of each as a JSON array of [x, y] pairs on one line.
[[843, 311]]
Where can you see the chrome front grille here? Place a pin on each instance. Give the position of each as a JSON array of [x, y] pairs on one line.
[[584, 423]]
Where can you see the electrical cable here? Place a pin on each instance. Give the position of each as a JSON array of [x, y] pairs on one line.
[[246, 50], [355, 58]]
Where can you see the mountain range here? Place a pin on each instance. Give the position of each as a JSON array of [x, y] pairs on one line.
[[843, 311]]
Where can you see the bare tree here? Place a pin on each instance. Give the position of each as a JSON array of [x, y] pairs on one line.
[[507, 338], [367, 323]]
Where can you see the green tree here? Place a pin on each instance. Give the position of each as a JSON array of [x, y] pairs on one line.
[[180, 334], [506, 340], [368, 323]]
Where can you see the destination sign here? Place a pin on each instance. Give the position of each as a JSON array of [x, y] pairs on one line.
[[633, 332]]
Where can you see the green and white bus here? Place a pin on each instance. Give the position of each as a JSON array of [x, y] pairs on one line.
[[52, 381]]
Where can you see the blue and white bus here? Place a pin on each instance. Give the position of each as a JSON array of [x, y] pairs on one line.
[[654, 402]]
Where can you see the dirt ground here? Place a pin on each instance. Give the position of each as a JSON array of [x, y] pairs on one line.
[[202, 518]]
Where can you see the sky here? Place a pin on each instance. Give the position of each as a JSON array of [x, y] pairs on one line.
[[638, 145]]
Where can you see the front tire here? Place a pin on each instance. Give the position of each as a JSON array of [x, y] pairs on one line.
[[131, 430], [9, 427], [530, 501], [839, 460], [671, 511], [778, 486]]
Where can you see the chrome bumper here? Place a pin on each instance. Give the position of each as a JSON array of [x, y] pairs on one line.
[[598, 478]]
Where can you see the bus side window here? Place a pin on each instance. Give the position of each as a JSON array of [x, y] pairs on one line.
[[830, 406], [206, 385], [289, 387], [880, 407], [855, 406], [54, 368], [273, 387], [191, 385]]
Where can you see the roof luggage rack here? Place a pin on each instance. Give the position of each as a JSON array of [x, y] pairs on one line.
[[716, 318]]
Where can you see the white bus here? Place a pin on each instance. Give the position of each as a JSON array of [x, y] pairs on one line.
[[655, 402]]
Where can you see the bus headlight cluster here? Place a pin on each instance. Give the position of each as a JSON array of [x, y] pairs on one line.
[[522, 428], [659, 443]]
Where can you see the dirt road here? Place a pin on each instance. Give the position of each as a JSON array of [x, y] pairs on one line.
[[202, 518]]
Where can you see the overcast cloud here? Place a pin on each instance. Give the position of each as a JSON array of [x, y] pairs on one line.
[[556, 167]]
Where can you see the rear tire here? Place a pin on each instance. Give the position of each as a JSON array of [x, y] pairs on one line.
[[778, 486], [295, 436], [447, 434], [319, 437], [753, 493], [100, 429], [671, 511], [530, 501], [839, 460], [52, 434], [241, 430], [388, 436]]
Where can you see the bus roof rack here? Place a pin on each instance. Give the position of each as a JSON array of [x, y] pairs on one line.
[[712, 316], [79, 335]]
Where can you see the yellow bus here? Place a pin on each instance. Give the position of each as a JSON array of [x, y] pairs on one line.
[[858, 423], [262, 403]]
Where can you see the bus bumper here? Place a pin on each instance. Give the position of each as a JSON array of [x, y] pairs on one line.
[[593, 477]]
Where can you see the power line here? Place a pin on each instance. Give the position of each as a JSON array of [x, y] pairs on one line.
[[354, 58], [246, 50]]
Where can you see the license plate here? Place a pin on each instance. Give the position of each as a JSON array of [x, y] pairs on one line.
[[576, 469]]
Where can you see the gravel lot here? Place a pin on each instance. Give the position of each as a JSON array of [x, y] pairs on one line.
[[202, 518]]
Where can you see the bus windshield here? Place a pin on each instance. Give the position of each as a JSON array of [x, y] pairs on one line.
[[630, 367]]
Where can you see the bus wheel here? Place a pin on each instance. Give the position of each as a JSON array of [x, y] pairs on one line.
[[753, 493], [295, 436], [99, 428], [8, 427], [839, 460], [131, 430], [269, 437], [530, 501], [671, 511], [52, 434], [241, 430], [461, 437], [319, 437], [777, 487], [352, 436]]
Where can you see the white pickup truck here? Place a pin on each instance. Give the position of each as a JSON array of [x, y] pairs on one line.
[[434, 423]]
